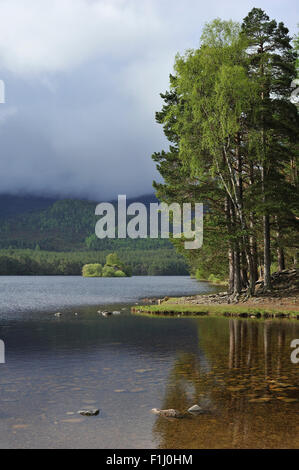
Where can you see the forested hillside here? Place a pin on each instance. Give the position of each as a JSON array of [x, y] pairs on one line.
[[46, 236], [59, 225]]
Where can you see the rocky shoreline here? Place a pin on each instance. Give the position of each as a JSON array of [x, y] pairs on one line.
[[283, 298]]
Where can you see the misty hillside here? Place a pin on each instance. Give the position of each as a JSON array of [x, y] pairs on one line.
[[11, 205], [60, 225]]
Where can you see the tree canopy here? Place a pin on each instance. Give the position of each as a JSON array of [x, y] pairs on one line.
[[233, 133]]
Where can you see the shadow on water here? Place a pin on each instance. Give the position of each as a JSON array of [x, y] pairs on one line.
[[243, 378]]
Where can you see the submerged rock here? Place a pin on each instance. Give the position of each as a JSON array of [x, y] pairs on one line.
[[106, 314], [195, 409], [171, 413], [57, 314], [93, 412]]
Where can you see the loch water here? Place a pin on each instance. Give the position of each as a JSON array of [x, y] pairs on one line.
[[238, 370]]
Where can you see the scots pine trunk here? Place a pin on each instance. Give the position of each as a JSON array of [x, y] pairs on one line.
[[266, 234], [253, 251], [237, 270], [246, 256], [236, 254], [231, 260], [281, 259], [267, 253], [244, 269], [231, 264], [280, 250], [252, 237]]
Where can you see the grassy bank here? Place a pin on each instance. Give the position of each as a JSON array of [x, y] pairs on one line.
[[245, 311]]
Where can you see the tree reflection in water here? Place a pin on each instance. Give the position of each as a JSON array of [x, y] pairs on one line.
[[243, 377]]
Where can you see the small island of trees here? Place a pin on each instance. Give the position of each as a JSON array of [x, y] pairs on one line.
[[113, 268]]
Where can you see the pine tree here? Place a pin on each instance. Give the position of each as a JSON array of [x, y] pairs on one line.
[[274, 119], [234, 140]]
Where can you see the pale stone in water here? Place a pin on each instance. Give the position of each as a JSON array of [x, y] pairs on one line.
[[93, 412], [194, 409], [171, 413]]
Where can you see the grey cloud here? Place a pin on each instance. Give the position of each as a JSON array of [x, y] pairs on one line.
[[81, 97]]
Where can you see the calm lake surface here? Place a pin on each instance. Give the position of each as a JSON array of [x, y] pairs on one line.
[[239, 371]]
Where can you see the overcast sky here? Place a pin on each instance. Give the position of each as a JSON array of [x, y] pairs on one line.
[[83, 79]]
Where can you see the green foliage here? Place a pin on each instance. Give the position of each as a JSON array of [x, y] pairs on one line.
[[93, 243], [92, 270], [137, 262], [119, 273], [108, 271], [112, 260], [214, 279], [208, 260], [296, 46], [114, 267], [58, 238], [65, 225], [233, 135]]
